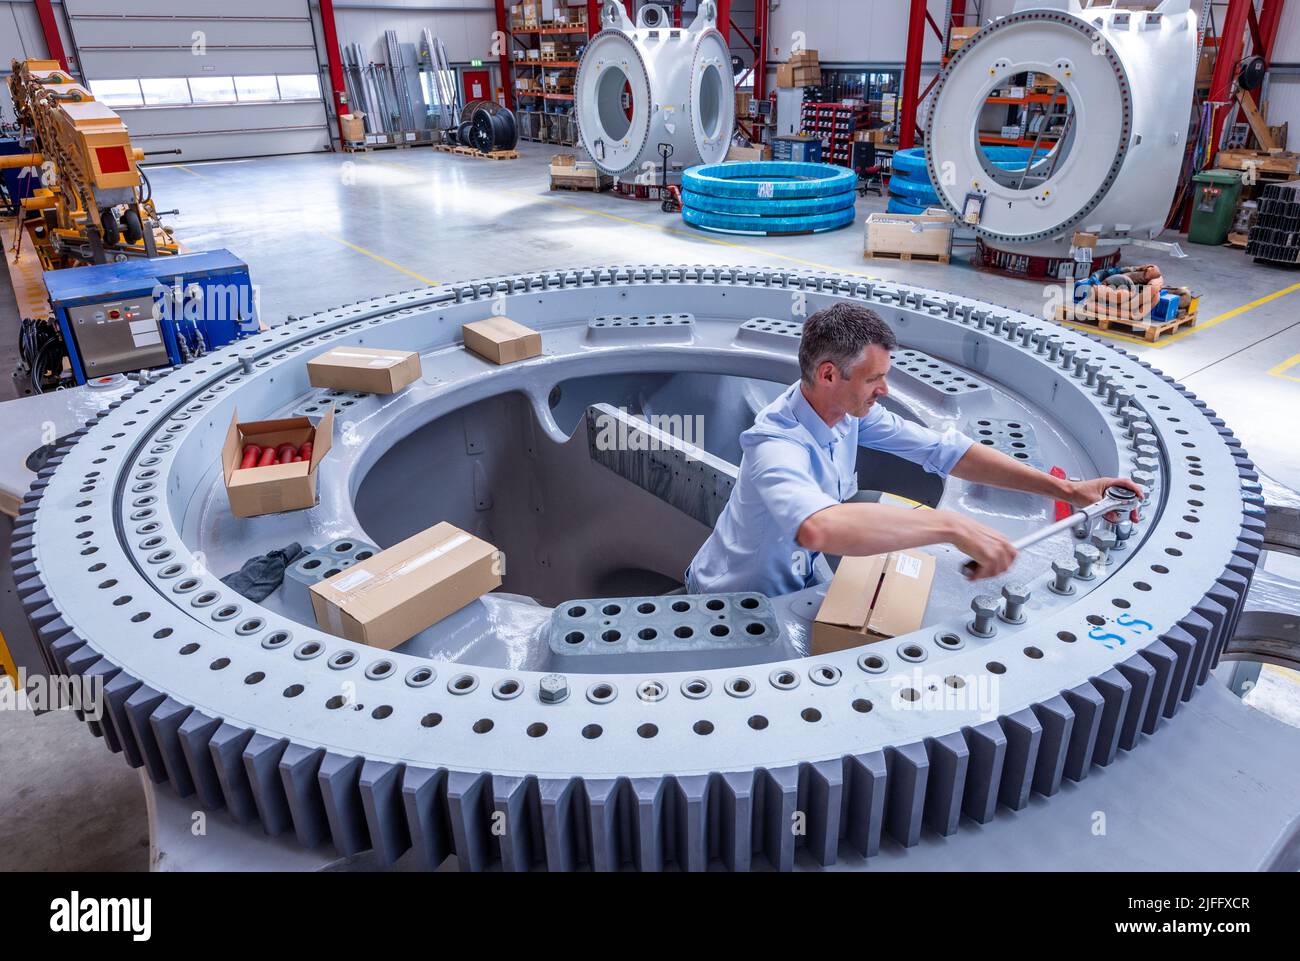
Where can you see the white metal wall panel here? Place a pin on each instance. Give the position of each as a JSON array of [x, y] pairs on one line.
[[465, 26], [20, 39], [849, 31], [129, 39]]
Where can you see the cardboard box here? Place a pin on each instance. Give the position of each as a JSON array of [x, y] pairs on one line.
[[1083, 239], [279, 487], [893, 234], [387, 599], [873, 598], [354, 127], [501, 340], [959, 35], [366, 369], [806, 56], [759, 152]]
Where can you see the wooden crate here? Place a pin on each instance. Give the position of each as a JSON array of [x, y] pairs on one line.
[[1282, 162], [891, 237]]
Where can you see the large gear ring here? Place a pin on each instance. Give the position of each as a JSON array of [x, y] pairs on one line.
[[284, 725]]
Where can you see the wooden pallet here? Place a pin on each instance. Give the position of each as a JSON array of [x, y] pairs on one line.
[[582, 183], [906, 255], [1150, 331], [472, 152]]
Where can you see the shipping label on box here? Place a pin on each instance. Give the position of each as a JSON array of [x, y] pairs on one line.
[[365, 369], [872, 599], [501, 340], [253, 491], [387, 599]]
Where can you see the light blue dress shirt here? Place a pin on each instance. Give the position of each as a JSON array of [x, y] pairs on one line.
[[792, 466]]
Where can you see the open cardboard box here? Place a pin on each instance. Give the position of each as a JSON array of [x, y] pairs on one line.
[[366, 369], [873, 598], [279, 487], [390, 597], [501, 340]]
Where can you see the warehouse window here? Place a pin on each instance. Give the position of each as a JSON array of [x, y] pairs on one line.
[[165, 91], [299, 86], [212, 89], [256, 88], [117, 93]]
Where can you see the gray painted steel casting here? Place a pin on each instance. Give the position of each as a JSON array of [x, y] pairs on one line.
[[253, 708]]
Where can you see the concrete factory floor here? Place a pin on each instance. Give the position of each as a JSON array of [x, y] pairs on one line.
[[321, 230]]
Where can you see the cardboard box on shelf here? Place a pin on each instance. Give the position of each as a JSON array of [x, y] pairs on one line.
[[254, 491], [501, 340], [354, 127], [872, 599], [367, 369], [806, 56], [387, 599], [959, 36]]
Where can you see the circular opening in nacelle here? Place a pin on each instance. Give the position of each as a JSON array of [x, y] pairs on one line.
[[710, 105], [1025, 130], [614, 103]]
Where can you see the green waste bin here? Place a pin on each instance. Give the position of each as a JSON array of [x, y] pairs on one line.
[[1214, 206]]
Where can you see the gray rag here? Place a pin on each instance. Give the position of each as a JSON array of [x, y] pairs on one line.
[[260, 576]]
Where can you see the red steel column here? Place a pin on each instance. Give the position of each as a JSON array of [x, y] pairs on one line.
[[593, 17], [761, 17], [50, 28], [338, 89], [912, 74], [505, 61], [1231, 40], [1270, 15]]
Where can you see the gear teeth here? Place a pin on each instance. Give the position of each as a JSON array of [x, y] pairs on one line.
[[648, 823], [299, 767], [26, 585], [40, 611], [1165, 663], [468, 797], [778, 800], [1202, 632], [338, 778], [822, 801], [1088, 706], [195, 732], [381, 801], [1024, 734], [1057, 721], [604, 802], [949, 762], [164, 723], [137, 708], [261, 759], [1142, 677], [1217, 614], [424, 795], [692, 797], [1183, 646], [561, 803], [907, 768], [988, 751], [101, 670], [735, 845], [515, 805], [227, 749], [116, 691]]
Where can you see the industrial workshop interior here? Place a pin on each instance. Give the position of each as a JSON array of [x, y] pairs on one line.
[[687, 436]]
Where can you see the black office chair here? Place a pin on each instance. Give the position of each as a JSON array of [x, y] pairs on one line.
[[868, 169]]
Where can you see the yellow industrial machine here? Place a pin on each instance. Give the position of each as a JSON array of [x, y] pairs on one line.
[[94, 204]]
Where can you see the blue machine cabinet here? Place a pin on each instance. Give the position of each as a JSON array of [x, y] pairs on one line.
[[151, 313]]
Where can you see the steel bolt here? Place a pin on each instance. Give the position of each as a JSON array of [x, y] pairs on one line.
[[1103, 383], [1148, 464], [1065, 571], [1054, 349], [965, 313], [553, 688], [1103, 540], [1067, 357], [1144, 479], [246, 364], [1087, 557], [1112, 394], [985, 607], [1122, 399], [981, 318], [1123, 530], [1040, 342], [1136, 427], [1016, 596], [1025, 336], [1092, 367], [1131, 413], [1143, 440], [1080, 363], [1147, 450], [1013, 328]]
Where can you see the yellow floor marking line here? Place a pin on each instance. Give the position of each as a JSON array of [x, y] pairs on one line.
[[1281, 369], [383, 260]]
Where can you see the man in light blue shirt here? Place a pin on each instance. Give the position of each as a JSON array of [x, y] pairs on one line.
[[798, 467]]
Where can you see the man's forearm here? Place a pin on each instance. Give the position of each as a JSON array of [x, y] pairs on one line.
[[984, 465], [859, 530]]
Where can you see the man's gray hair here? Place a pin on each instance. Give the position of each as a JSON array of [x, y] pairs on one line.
[[839, 334]]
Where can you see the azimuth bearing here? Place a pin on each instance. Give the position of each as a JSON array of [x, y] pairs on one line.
[[240, 706]]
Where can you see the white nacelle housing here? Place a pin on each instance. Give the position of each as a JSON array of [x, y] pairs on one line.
[[680, 84]]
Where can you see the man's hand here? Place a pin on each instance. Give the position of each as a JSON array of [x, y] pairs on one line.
[[989, 549], [1083, 493]]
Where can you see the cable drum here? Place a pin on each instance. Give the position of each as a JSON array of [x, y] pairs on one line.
[[493, 129], [765, 225]]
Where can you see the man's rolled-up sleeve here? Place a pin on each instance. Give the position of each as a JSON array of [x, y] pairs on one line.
[[783, 479], [936, 451]]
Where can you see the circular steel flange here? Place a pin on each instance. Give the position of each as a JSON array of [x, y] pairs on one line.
[[260, 714]]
